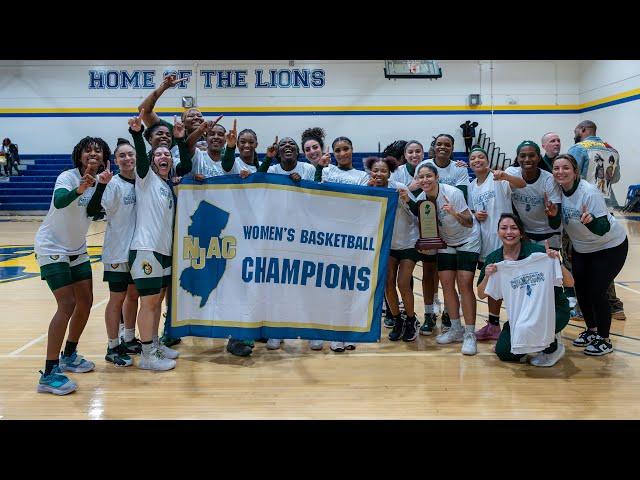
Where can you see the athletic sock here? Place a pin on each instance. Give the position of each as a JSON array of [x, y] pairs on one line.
[[469, 328], [494, 319], [129, 334], [444, 309], [49, 365], [455, 324], [113, 343], [156, 340], [146, 348], [428, 308], [69, 348]]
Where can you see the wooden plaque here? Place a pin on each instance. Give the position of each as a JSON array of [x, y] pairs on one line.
[[428, 223]]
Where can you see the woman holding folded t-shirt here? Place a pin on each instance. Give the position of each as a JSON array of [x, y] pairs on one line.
[[599, 251]]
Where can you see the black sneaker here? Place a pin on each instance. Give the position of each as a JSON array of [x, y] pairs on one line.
[[238, 348], [410, 329], [429, 324], [389, 321], [118, 356], [134, 347], [585, 338], [598, 347], [398, 328], [446, 322], [169, 341]]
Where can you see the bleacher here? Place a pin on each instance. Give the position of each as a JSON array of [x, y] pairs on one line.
[[30, 193]]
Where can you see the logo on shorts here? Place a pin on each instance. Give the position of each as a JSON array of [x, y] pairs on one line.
[[146, 267], [114, 265], [54, 257]]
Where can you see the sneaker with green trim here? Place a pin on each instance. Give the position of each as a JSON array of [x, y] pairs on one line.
[[446, 322], [134, 347], [75, 363], [118, 356], [56, 383], [429, 324]]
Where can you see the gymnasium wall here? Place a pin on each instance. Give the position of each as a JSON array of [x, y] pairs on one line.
[[47, 106], [610, 94]]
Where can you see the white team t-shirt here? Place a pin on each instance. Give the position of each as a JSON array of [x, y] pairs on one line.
[[529, 201], [449, 175], [449, 228], [527, 288], [119, 203], [583, 240], [305, 170], [349, 177], [64, 230], [401, 175], [204, 165], [154, 226], [494, 197], [405, 228], [239, 165]]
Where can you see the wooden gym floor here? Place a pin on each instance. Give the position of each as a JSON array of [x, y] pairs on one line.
[[388, 380]]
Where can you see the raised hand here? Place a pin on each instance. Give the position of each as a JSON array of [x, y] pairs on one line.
[[272, 150], [135, 123], [414, 185], [586, 217], [481, 215], [178, 127], [447, 207], [371, 182], [499, 175], [106, 176], [550, 208], [93, 166], [169, 81], [87, 181], [325, 159], [404, 195], [232, 136]]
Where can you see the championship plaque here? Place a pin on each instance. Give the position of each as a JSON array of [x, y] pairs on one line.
[[428, 222]]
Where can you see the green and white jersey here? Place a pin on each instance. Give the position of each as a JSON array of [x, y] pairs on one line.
[[64, 230], [154, 226], [584, 241], [305, 170], [405, 227], [494, 197], [450, 229], [529, 201], [449, 175], [119, 203], [350, 177], [239, 165], [203, 164], [401, 175]]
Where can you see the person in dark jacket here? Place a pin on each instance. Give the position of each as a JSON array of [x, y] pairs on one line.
[[12, 156]]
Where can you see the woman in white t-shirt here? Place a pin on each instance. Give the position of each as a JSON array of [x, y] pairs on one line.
[[61, 252], [457, 262], [490, 197], [402, 256], [117, 196], [313, 146], [599, 251], [344, 173], [151, 246], [515, 246]]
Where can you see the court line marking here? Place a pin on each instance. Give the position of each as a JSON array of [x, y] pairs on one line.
[[627, 288], [33, 342]]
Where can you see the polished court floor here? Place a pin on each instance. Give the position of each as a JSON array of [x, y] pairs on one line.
[[387, 380]]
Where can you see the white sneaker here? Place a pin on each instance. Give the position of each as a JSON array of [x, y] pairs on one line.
[[469, 346], [450, 336], [156, 361], [168, 352], [273, 343], [337, 346], [316, 344], [548, 359]]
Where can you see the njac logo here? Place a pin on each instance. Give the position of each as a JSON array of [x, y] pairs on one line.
[[207, 250]]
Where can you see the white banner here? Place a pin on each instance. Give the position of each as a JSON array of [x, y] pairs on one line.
[[268, 257]]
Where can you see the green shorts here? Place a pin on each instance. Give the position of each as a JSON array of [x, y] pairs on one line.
[[118, 275], [63, 270], [151, 271], [406, 254], [453, 258]]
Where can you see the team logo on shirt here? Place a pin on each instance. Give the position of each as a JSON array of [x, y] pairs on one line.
[[568, 213], [19, 262], [527, 281], [115, 265], [147, 268]]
